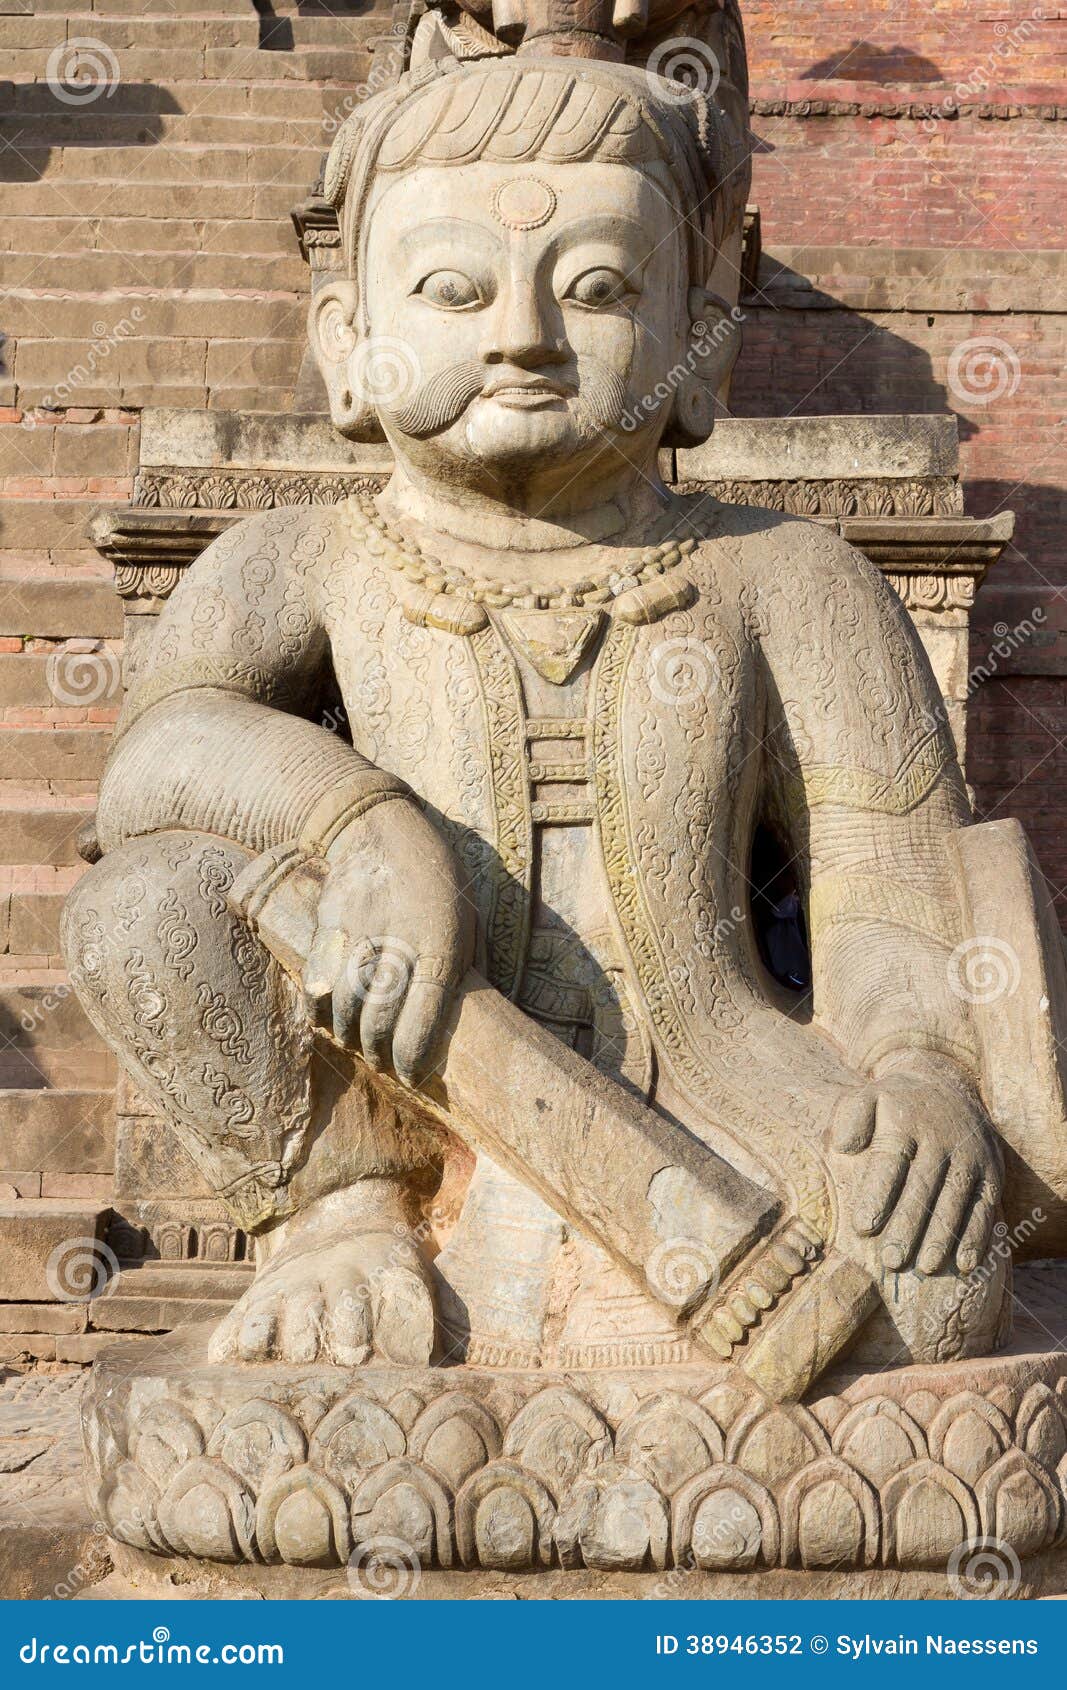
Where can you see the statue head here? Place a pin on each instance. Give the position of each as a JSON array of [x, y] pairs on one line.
[[526, 245]]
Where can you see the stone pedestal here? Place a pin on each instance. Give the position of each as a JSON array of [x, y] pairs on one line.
[[658, 1481]]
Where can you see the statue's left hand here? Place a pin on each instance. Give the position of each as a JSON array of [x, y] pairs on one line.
[[920, 1165]]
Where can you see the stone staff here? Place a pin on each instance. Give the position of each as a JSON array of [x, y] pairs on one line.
[[608, 1164]]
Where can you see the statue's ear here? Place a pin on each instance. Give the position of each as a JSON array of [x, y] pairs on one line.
[[335, 342], [714, 342]]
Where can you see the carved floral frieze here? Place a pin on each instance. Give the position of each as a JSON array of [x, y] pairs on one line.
[[526, 1475]]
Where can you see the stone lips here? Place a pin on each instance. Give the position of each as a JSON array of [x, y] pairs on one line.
[[687, 1468]]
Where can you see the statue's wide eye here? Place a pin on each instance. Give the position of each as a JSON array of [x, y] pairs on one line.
[[449, 289], [600, 287]]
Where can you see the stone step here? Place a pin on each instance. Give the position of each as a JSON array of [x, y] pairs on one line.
[[184, 1281], [295, 162], [53, 753], [61, 607], [205, 29], [44, 834], [53, 525], [51, 1251], [128, 236], [164, 65], [71, 323], [279, 271], [29, 924], [189, 102], [57, 1130], [67, 451], [47, 1041]]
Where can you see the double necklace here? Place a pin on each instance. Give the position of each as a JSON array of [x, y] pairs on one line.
[[405, 555]]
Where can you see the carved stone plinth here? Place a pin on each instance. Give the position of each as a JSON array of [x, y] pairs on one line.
[[666, 1471]]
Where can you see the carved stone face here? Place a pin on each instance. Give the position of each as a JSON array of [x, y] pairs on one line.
[[521, 315]]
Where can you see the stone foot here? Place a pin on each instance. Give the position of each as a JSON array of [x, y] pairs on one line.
[[336, 1288]]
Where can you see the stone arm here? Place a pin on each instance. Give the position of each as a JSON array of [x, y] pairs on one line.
[[215, 735], [868, 796], [866, 791]]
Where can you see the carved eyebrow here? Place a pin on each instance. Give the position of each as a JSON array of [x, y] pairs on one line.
[[444, 229]]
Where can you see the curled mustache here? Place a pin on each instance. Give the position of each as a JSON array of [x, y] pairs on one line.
[[438, 402], [441, 400]]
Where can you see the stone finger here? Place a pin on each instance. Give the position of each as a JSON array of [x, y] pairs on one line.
[[854, 1122], [949, 1214], [350, 993], [403, 1318], [301, 1326], [976, 1234], [381, 1007], [223, 1342], [921, 1191], [258, 1330], [347, 1326], [320, 972], [881, 1178], [418, 1029]]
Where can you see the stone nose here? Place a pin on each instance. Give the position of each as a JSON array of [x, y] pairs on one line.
[[523, 328]]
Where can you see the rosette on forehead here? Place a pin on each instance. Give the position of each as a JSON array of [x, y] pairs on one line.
[[563, 111]]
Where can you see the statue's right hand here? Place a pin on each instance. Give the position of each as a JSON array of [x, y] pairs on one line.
[[395, 935]]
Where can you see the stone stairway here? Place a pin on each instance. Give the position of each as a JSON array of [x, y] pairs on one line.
[[150, 153]]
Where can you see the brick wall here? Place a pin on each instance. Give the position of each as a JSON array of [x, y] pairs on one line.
[[146, 256], [910, 174]]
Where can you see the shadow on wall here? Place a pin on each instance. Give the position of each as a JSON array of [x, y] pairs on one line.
[[276, 34], [820, 357], [862, 61], [36, 120]]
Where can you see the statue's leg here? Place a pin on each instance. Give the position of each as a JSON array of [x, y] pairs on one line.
[[285, 1130]]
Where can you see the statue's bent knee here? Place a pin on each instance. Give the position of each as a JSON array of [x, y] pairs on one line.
[[207, 1023]]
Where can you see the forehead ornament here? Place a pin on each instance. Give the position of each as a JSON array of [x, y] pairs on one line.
[[523, 203]]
